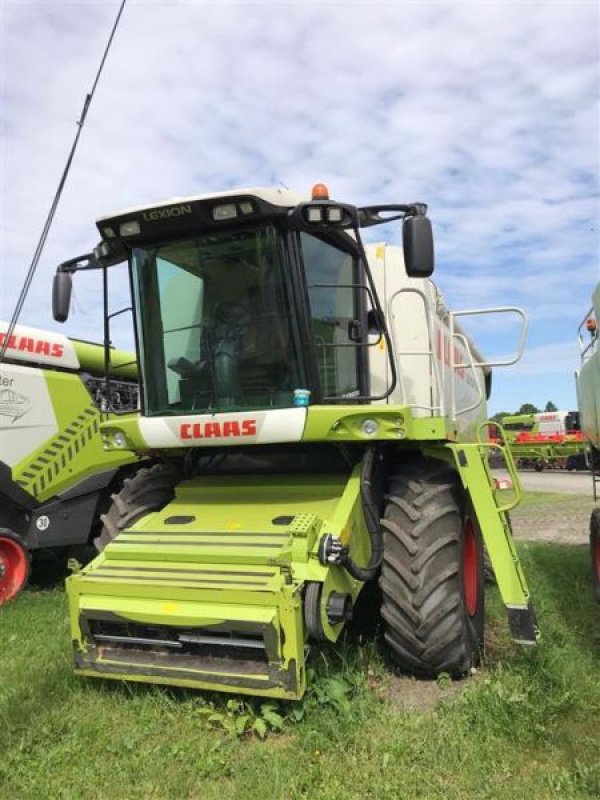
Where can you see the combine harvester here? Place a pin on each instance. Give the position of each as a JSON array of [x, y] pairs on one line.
[[320, 417], [550, 439], [588, 397], [55, 476]]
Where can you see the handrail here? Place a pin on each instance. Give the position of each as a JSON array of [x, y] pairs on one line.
[[480, 397], [438, 378], [471, 363], [508, 460], [583, 347], [499, 310]]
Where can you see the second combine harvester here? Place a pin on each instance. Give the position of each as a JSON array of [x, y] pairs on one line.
[[317, 411], [587, 380]]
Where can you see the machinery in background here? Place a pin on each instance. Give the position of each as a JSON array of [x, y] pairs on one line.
[[587, 380], [56, 477], [546, 440]]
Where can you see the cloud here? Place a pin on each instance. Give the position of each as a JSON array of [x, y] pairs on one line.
[[556, 358], [488, 112]]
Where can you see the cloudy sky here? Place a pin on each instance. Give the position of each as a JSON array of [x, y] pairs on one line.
[[486, 111]]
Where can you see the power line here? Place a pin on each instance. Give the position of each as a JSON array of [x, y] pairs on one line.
[[47, 225]]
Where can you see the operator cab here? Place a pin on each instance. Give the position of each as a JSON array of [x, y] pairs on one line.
[[219, 322], [255, 300]]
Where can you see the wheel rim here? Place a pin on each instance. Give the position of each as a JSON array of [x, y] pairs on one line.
[[596, 558], [470, 568], [13, 569]]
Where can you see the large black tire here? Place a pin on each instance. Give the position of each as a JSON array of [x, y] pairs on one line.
[[150, 489], [595, 550], [432, 573]]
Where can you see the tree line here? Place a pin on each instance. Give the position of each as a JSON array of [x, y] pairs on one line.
[[526, 408]]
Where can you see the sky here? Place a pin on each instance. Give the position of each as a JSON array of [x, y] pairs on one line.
[[488, 112]]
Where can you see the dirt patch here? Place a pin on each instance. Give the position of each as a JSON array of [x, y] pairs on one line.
[[564, 521], [415, 695]]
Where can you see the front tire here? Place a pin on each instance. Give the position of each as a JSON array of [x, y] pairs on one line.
[[432, 578], [150, 489]]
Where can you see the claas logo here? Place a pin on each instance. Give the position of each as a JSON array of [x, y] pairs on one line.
[[218, 430], [26, 344], [448, 353]]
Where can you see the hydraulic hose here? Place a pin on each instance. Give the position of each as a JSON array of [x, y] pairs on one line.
[[372, 521]]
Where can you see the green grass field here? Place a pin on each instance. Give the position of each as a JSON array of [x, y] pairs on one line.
[[525, 726]]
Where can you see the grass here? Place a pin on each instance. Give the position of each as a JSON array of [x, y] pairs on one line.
[[525, 726], [542, 498], [532, 499]]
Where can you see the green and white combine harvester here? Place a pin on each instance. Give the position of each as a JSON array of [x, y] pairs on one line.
[[319, 417], [545, 439], [55, 476], [588, 396]]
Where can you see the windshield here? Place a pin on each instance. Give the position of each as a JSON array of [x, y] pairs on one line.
[[216, 326]]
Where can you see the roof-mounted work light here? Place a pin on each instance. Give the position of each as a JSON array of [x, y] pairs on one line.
[[323, 213]]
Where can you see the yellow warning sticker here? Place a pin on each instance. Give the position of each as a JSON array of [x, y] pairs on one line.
[[380, 252]]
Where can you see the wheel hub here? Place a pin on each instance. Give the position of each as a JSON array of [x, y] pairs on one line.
[[14, 568], [470, 568]]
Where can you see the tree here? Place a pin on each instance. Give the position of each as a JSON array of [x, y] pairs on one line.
[[528, 408], [550, 406]]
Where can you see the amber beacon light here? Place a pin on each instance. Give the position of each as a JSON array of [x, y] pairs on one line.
[[320, 192]]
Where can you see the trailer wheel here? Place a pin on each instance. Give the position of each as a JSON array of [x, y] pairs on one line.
[[14, 565], [595, 550], [432, 578], [150, 489]]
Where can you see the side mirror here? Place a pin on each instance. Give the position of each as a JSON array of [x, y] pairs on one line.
[[417, 239], [61, 295]]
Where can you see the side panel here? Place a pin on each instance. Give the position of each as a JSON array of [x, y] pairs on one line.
[[27, 417], [61, 523], [213, 430], [434, 375], [55, 443], [39, 347], [588, 390], [588, 382]]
